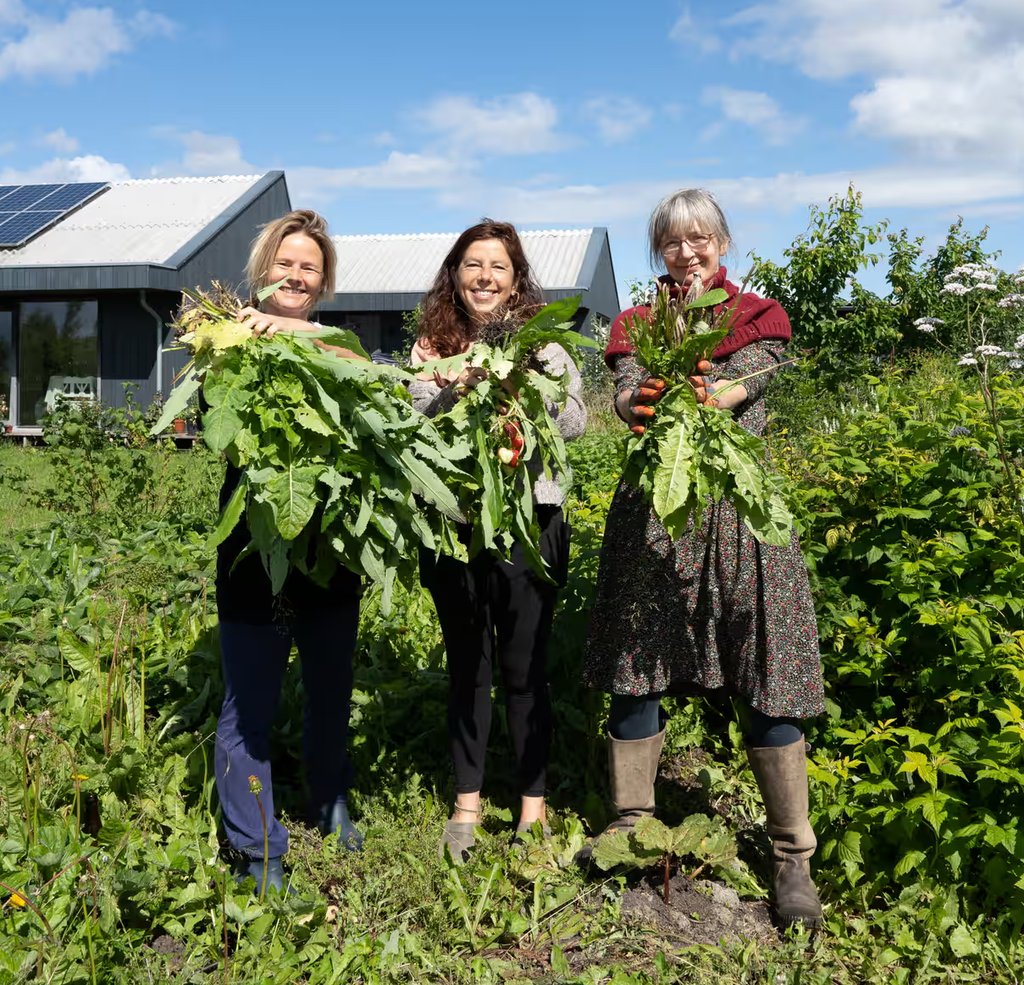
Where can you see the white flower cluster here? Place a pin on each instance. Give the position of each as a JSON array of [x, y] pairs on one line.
[[1019, 344], [1011, 301], [967, 361], [981, 278], [977, 272], [927, 325], [988, 350]]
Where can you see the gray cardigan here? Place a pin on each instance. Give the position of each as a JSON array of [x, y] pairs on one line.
[[431, 399]]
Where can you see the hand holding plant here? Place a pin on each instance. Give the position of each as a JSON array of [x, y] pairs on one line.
[[337, 467], [694, 451]]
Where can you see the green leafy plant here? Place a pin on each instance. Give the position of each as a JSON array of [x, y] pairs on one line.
[[651, 842], [337, 467], [691, 453], [502, 427]]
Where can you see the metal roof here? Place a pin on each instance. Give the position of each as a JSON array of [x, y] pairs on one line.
[[140, 221], [408, 263]]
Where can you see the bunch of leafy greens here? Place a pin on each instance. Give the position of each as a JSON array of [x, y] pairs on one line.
[[690, 453], [337, 467], [502, 432]]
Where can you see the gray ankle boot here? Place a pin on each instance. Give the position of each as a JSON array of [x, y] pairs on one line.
[[781, 773], [334, 819]]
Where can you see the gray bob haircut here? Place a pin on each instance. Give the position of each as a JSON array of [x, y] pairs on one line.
[[681, 212], [265, 246]]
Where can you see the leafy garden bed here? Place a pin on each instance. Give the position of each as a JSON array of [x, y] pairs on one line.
[[109, 687]]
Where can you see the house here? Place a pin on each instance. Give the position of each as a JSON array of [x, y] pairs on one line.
[[86, 292], [382, 278], [90, 274]]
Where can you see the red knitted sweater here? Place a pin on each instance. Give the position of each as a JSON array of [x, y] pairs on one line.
[[755, 318]]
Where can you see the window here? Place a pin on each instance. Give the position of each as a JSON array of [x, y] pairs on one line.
[[57, 347]]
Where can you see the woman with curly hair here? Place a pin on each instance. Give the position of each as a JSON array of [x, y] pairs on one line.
[[491, 610]]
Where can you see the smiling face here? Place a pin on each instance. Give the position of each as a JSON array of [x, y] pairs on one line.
[[687, 252], [300, 263], [484, 278]]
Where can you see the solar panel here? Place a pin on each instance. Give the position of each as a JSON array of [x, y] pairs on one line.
[[19, 227], [26, 210], [28, 195], [67, 197]]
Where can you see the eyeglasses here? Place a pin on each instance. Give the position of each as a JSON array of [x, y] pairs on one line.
[[697, 243]]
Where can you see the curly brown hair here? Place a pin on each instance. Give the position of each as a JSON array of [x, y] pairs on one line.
[[445, 323]]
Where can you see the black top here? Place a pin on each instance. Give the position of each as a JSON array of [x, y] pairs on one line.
[[244, 595]]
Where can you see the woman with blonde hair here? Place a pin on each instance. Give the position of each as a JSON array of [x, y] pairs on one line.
[[257, 628]]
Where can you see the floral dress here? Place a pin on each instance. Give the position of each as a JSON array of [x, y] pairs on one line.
[[715, 608]]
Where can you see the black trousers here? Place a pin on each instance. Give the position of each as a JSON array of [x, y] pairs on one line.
[[490, 612]]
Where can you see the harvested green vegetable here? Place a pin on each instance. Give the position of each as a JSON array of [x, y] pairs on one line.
[[503, 423], [337, 466], [690, 453]]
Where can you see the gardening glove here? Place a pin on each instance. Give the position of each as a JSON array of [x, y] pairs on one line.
[[703, 388], [641, 403]]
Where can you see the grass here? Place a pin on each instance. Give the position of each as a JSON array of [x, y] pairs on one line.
[[23, 475]]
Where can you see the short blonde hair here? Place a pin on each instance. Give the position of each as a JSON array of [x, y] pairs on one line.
[[683, 210], [265, 246]]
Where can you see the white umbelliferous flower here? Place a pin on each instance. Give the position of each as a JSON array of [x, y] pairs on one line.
[[927, 329], [956, 288], [987, 350], [927, 324], [1011, 301], [968, 361]]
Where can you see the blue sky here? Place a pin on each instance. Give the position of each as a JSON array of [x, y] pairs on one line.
[[410, 116]]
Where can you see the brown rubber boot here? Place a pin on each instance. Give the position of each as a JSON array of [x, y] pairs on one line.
[[632, 770], [781, 774]]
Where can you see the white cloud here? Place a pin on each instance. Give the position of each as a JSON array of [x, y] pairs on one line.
[[204, 154], [942, 76], [756, 110], [60, 140], [87, 167], [518, 124], [882, 188], [35, 47], [396, 171], [694, 33], [617, 118]]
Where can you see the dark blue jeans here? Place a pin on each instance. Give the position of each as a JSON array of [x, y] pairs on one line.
[[254, 659]]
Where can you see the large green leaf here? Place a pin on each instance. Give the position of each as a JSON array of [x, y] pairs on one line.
[[292, 494], [177, 403], [229, 516]]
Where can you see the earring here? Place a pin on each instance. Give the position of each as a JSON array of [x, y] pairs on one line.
[[513, 297]]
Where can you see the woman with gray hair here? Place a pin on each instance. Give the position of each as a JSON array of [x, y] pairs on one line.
[[715, 610]]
